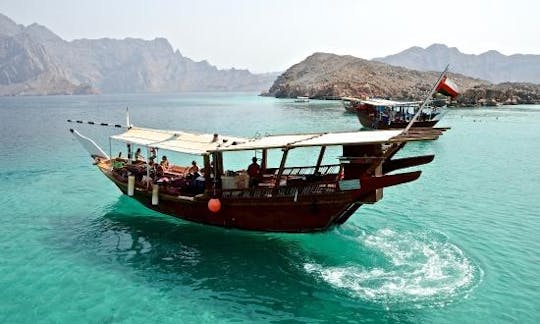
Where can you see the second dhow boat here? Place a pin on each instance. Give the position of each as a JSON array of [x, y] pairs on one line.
[[304, 198], [376, 113]]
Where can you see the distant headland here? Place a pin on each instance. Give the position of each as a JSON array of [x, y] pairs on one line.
[[330, 76]]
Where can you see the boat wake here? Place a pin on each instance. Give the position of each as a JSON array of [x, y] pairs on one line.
[[414, 268]]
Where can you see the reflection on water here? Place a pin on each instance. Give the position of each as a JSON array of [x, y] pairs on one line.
[[229, 265]]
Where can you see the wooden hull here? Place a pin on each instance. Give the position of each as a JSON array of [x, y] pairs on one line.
[[269, 215], [369, 121], [316, 212]]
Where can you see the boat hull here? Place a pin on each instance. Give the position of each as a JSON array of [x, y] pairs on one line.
[[367, 121], [292, 213], [280, 214]]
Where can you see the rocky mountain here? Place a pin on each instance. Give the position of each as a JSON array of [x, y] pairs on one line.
[[34, 60], [27, 68], [330, 76], [492, 65], [503, 93], [323, 75]]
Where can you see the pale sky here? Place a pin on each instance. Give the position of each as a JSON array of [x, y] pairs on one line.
[[265, 36]]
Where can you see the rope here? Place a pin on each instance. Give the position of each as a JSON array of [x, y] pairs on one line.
[[97, 123]]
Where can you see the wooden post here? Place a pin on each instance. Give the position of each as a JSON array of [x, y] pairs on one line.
[[218, 169], [129, 154], [281, 167], [319, 160], [264, 160], [147, 167], [207, 172]]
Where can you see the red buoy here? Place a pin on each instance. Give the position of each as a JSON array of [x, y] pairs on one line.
[[214, 205]]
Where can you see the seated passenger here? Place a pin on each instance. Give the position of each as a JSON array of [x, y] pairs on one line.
[[164, 163], [158, 171], [138, 155], [193, 169]]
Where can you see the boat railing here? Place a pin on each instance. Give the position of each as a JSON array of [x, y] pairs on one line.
[[309, 170], [282, 191]]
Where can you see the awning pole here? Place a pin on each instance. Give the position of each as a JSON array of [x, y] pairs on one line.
[[129, 153], [264, 160], [147, 167], [208, 173], [319, 160], [281, 167]]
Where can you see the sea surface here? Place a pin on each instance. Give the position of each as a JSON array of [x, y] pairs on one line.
[[459, 245]]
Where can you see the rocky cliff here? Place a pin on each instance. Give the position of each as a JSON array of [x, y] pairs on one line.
[[27, 68], [503, 93], [492, 65], [34, 60], [323, 75], [330, 76]]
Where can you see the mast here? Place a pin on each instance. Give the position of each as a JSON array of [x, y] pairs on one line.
[[433, 89]]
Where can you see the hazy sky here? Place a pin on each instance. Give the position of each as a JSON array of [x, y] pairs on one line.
[[268, 36]]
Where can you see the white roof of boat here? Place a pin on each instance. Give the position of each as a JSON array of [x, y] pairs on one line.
[[315, 139], [177, 141], [192, 143], [385, 102]]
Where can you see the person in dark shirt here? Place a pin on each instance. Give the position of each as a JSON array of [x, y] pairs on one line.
[[254, 172], [138, 155]]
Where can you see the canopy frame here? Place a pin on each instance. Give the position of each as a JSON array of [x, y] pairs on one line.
[[204, 144]]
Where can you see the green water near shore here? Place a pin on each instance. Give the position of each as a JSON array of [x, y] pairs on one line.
[[461, 244]]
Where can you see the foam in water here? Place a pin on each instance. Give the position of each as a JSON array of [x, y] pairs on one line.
[[417, 270]]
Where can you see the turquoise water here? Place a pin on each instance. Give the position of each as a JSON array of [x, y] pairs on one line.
[[460, 245]]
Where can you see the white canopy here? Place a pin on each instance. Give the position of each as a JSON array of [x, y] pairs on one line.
[[192, 143], [177, 141], [316, 139], [390, 103]]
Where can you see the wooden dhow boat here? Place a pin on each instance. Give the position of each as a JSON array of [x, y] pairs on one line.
[[376, 113], [300, 198]]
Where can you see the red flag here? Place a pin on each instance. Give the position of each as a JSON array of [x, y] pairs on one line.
[[447, 87]]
